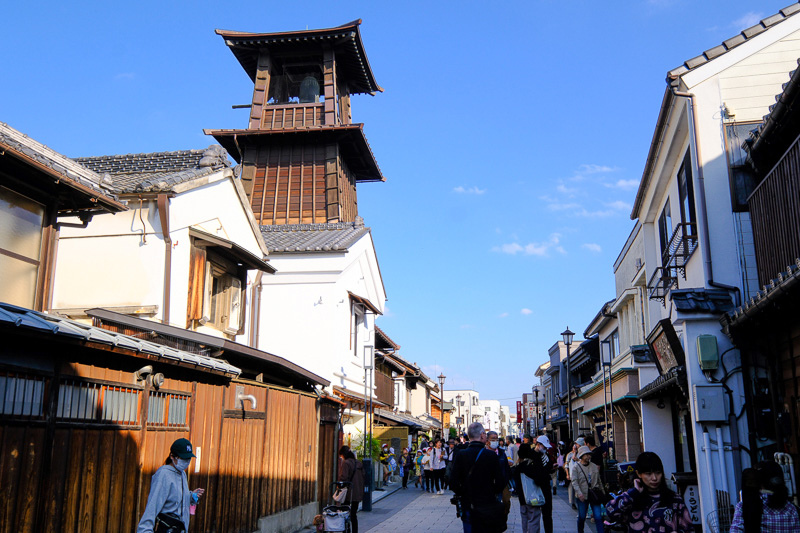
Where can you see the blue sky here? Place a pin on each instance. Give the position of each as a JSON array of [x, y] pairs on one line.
[[512, 135]]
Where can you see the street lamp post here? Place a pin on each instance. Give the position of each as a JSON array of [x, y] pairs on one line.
[[568, 335], [458, 419], [441, 395]]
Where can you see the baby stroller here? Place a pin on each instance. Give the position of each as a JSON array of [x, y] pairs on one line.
[[336, 516]]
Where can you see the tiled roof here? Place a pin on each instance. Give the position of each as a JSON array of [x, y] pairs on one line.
[[60, 164], [11, 315], [733, 42], [674, 376], [305, 238], [157, 171], [777, 289], [701, 300]]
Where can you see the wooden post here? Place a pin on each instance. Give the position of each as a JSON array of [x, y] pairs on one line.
[[329, 85], [261, 89], [331, 183]]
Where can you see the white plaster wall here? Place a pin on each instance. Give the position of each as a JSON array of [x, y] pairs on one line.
[[305, 311], [118, 260]]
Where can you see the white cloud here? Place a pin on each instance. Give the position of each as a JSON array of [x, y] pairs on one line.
[[432, 370], [539, 249], [625, 185], [748, 19], [502, 315], [387, 313], [563, 189], [567, 206], [592, 247], [526, 311], [125, 76], [466, 326], [620, 205], [595, 169], [468, 190]]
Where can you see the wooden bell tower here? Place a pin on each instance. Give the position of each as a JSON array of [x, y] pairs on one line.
[[301, 154]]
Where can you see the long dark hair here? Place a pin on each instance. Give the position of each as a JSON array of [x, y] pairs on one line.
[[649, 462]]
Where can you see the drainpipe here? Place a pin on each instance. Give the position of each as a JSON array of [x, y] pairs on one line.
[[255, 310], [721, 453], [708, 266], [707, 453], [163, 213]]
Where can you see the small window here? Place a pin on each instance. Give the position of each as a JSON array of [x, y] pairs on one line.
[[222, 302], [21, 395], [686, 189], [359, 323], [167, 409], [665, 232], [98, 402], [21, 221]]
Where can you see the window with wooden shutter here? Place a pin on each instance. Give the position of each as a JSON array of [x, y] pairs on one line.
[[216, 297]]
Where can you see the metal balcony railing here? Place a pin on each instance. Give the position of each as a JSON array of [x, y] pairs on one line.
[[681, 246], [662, 280]]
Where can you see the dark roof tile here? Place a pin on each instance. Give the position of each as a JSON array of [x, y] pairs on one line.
[[313, 238], [734, 41], [157, 171]]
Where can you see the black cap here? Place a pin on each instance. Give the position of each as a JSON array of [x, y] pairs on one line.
[[182, 448]]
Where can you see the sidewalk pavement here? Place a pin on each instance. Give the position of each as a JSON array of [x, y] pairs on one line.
[[415, 510]]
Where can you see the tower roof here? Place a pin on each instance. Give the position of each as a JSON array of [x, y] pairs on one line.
[[350, 138], [345, 40]]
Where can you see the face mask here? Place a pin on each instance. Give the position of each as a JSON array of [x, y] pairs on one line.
[[182, 464], [493, 444]]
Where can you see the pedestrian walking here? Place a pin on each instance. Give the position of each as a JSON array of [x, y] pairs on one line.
[[407, 463], [586, 481], [569, 460], [650, 505], [352, 471], [529, 464], [765, 504], [449, 452], [437, 467], [478, 481], [542, 444], [418, 470], [427, 472], [169, 501], [493, 446]]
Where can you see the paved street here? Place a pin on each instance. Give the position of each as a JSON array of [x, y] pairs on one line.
[[414, 510]]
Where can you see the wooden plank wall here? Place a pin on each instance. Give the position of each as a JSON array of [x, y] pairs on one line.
[[292, 116], [95, 477], [775, 215], [347, 193], [288, 185]]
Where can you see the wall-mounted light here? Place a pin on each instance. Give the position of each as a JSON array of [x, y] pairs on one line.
[[660, 403]]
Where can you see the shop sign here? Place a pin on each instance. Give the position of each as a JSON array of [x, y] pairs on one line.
[[666, 346], [692, 498]]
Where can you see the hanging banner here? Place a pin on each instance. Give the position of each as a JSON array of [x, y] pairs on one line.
[[519, 411]]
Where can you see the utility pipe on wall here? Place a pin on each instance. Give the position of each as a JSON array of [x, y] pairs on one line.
[[707, 453], [721, 453], [163, 213]]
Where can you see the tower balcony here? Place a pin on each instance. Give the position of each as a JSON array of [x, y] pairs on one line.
[[291, 116]]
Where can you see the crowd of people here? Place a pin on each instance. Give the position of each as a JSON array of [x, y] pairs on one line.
[[485, 472]]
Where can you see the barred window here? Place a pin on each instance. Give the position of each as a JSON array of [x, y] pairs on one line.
[[21, 395], [98, 402], [167, 409]]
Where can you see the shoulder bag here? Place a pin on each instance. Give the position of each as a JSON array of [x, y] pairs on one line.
[[534, 495], [168, 523], [596, 496]]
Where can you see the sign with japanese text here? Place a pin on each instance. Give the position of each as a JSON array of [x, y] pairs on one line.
[[692, 498], [519, 410]]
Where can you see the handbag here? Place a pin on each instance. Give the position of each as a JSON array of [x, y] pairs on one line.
[[596, 496], [168, 523], [533, 493]]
